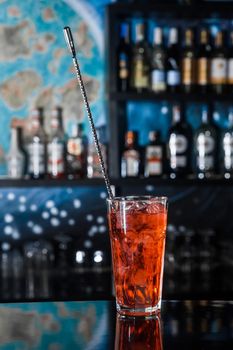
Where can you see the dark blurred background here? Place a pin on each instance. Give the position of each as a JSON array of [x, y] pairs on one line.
[[54, 241]]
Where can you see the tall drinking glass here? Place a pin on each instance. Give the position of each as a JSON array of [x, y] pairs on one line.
[[137, 233]]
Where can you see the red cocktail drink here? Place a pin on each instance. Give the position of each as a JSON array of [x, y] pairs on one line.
[[137, 232]]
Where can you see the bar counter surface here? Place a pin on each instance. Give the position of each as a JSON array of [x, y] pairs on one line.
[[95, 325]]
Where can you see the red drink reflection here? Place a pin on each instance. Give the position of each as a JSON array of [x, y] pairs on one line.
[[137, 231], [138, 334]]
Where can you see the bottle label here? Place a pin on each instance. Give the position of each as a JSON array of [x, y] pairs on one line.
[[218, 71], [158, 80], [228, 151], [205, 163], [178, 162], [15, 166], [56, 164], [205, 148], [141, 74], [74, 163], [205, 144], [36, 161], [130, 163], [173, 77], [178, 144], [75, 153], [187, 71], [230, 71], [203, 66], [228, 163], [75, 147], [154, 160], [123, 66]]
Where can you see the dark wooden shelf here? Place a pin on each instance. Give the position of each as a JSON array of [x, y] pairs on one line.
[[191, 181], [182, 97], [191, 12], [5, 182], [142, 182]]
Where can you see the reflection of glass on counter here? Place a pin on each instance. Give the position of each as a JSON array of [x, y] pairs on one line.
[[136, 333]]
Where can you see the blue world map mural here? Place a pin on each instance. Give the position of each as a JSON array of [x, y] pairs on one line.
[[36, 68]]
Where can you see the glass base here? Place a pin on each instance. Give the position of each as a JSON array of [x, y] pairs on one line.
[[141, 311]]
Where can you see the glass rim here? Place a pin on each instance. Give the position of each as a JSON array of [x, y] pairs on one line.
[[137, 199]]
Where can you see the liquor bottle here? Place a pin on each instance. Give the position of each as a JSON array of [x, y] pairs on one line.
[[188, 63], [15, 157], [140, 61], [203, 62], [206, 146], [173, 61], [93, 164], [76, 155], [158, 59], [130, 161], [154, 155], [218, 66], [123, 59], [36, 147], [56, 149], [180, 145], [227, 148], [230, 65]]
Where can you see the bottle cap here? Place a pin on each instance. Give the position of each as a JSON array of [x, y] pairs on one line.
[[173, 36], [219, 38], [158, 35], [154, 135], [131, 137], [204, 114], [176, 114], [189, 36], [56, 118], [204, 35], [36, 119], [140, 31]]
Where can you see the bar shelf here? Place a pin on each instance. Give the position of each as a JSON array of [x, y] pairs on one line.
[[171, 97], [141, 182]]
